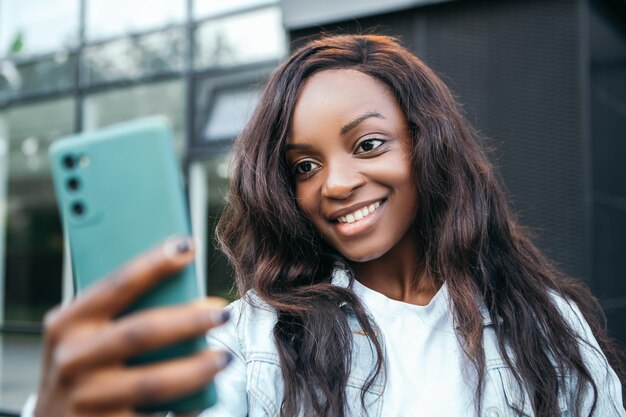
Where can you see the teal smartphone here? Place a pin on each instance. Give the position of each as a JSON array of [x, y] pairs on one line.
[[120, 192]]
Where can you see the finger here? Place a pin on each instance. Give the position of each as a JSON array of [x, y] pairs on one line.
[[111, 413], [216, 302], [138, 333], [152, 384], [112, 295]]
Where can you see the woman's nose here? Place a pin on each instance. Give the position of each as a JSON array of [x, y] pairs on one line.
[[341, 181]]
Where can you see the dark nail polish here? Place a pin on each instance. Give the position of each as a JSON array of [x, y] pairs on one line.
[[183, 246], [225, 316], [224, 359]]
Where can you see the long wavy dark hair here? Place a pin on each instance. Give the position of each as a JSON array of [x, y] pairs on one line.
[[466, 232]]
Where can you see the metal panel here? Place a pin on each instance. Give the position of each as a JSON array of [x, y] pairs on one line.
[[608, 129], [298, 14], [517, 68]]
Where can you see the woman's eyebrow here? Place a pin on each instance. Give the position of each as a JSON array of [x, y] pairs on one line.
[[345, 129], [297, 146], [358, 120]]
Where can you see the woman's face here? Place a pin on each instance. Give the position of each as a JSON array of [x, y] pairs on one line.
[[349, 154]]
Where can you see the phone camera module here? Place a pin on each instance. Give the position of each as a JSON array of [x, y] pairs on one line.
[[78, 208], [69, 162], [73, 184]]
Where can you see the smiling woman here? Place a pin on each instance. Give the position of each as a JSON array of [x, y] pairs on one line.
[[373, 244], [371, 238]]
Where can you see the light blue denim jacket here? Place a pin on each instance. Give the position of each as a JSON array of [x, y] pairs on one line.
[[252, 385]]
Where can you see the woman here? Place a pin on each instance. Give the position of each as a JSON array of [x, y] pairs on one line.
[[381, 270]]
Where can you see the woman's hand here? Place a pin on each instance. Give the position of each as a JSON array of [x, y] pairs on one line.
[[85, 346]]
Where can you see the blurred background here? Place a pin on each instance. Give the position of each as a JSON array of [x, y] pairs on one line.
[[544, 80]]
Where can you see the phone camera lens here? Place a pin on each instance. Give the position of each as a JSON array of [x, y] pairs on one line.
[[68, 162], [78, 208], [73, 184]]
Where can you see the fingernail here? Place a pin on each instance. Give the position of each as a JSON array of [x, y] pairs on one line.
[[175, 247], [225, 316], [183, 246], [224, 360], [219, 317]]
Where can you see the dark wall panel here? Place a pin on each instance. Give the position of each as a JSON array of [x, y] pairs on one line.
[[608, 124], [610, 252], [608, 132], [516, 66]]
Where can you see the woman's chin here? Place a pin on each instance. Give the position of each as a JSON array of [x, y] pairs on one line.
[[362, 256]]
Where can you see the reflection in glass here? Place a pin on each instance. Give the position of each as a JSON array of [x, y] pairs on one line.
[[34, 242], [249, 37], [33, 76], [136, 56], [116, 106], [206, 8], [4, 171], [230, 110], [219, 273], [30, 27], [107, 18]]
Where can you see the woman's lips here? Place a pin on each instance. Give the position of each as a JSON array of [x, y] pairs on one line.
[[345, 228]]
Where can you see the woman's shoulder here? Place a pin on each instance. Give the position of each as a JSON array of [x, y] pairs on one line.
[[571, 313], [589, 347], [251, 307], [251, 321]]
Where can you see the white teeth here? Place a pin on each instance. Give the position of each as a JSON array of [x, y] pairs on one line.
[[359, 214]]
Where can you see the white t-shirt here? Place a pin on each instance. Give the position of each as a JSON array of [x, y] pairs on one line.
[[427, 372]]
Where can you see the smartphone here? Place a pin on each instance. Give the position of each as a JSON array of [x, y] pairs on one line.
[[120, 192]]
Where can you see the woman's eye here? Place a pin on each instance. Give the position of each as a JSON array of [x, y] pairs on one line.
[[368, 145], [306, 167]]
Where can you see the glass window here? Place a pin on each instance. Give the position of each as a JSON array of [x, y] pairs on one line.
[[230, 110], [31, 27], [205, 8], [163, 98], [240, 39], [36, 75], [212, 190], [34, 243], [108, 18], [4, 171], [20, 364], [135, 56]]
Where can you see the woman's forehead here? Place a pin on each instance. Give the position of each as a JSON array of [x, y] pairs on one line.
[[331, 100]]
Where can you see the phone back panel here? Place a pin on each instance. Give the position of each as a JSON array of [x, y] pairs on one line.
[[130, 189]]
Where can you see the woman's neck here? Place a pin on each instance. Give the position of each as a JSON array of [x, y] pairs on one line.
[[399, 274]]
